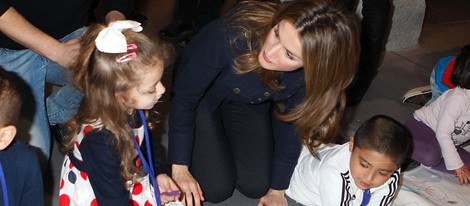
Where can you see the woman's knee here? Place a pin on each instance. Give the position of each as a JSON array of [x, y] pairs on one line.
[[217, 193], [253, 188], [253, 192]]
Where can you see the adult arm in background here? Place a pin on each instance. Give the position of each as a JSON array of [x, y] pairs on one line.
[[287, 148], [16, 27], [199, 64], [19, 29]]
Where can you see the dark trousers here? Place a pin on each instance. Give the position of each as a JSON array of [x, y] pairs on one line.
[[374, 28], [233, 149]]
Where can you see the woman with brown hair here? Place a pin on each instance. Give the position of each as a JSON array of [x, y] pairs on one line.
[[249, 88]]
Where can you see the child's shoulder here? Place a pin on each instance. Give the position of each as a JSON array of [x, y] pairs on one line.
[[19, 148], [456, 95], [100, 135], [331, 157], [333, 152], [21, 153]]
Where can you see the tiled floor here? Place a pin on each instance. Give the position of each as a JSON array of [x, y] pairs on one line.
[[401, 70]]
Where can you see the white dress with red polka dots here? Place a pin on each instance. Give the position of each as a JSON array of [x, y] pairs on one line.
[[75, 187]]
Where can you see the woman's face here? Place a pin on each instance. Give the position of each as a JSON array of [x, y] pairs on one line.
[[282, 50]]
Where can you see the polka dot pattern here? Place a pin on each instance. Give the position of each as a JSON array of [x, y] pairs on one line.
[[84, 175], [137, 188], [72, 177], [87, 129], [138, 162], [64, 200], [75, 187]]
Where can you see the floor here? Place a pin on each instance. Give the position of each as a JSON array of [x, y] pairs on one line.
[[400, 70]]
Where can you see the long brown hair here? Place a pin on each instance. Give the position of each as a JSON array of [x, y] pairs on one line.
[[105, 83], [330, 52]]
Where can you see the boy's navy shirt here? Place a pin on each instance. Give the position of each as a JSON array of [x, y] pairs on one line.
[[22, 174]]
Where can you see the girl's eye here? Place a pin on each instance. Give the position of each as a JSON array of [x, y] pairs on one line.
[[289, 55], [363, 165], [151, 91]]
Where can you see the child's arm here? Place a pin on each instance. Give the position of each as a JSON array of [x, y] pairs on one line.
[[449, 115], [169, 192], [104, 169], [463, 174]]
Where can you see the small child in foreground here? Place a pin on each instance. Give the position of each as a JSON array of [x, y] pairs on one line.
[[20, 174], [109, 159], [364, 171]]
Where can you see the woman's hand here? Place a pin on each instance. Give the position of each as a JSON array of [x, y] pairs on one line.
[[463, 174], [273, 198], [66, 53], [192, 193], [169, 192]]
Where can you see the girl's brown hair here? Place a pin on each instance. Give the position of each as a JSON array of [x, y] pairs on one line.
[[104, 83], [330, 52]]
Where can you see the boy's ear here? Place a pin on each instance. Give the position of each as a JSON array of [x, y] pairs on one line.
[[7, 134], [351, 143]]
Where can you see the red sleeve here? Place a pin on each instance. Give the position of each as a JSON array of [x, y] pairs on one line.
[[447, 73]]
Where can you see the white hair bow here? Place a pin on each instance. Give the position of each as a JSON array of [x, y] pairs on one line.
[[111, 39]]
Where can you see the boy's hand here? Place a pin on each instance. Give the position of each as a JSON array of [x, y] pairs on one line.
[[463, 174], [273, 198]]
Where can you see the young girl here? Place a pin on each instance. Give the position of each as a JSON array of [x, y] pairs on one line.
[[118, 72], [440, 128]]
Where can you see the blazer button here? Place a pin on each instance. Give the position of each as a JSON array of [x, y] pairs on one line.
[[266, 94], [236, 90]]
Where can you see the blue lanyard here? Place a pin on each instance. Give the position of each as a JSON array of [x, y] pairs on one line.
[[4, 185], [365, 197], [148, 166]]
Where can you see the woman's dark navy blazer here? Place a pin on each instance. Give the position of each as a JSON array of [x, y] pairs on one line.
[[204, 78]]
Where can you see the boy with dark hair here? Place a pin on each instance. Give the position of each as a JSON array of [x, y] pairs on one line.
[[363, 171], [20, 175]]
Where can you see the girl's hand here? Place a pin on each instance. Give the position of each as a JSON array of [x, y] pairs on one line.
[[273, 198], [169, 192], [463, 174], [190, 189]]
